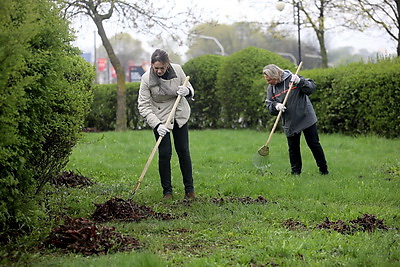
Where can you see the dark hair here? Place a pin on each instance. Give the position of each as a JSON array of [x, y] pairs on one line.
[[160, 56]]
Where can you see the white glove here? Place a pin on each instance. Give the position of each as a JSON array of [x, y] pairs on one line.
[[183, 91], [295, 79], [280, 107], [162, 130]]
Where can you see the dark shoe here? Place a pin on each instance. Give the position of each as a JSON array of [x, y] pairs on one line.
[[167, 196], [190, 195], [324, 172]]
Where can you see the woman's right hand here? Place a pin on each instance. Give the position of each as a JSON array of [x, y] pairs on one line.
[[280, 107], [162, 130]]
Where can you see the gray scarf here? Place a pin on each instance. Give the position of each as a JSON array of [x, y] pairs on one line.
[[155, 80]]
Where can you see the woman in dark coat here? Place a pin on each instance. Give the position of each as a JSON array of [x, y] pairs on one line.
[[297, 116]]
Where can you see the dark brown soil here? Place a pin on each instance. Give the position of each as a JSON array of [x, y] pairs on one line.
[[83, 236], [365, 223], [71, 179], [243, 200], [117, 209], [292, 224]]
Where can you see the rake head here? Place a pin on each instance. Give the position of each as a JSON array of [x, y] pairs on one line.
[[263, 151]]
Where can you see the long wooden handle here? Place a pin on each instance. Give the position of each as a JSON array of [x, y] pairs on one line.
[[284, 103], [153, 152]]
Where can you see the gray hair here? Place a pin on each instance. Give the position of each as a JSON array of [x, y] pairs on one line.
[[273, 71]]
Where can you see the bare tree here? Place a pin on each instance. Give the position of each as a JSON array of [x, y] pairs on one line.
[[386, 14], [318, 12], [141, 15], [323, 16]]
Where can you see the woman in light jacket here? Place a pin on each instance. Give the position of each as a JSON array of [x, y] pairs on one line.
[[297, 116], [159, 88]]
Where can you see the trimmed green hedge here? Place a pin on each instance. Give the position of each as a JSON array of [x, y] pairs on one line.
[[241, 87], [102, 116], [206, 107], [360, 98]]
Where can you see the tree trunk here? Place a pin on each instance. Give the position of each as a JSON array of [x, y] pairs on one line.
[[398, 43], [324, 54], [121, 123]]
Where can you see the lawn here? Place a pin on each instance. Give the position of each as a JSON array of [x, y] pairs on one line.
[[227, 225]]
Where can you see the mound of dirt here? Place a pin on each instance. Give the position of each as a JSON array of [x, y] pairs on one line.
[[83, 236], [366, 223], [292, 224], [125, 210], [71, 179]]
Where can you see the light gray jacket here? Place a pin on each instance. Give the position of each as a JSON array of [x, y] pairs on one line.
[[299, 113], [157, 97]]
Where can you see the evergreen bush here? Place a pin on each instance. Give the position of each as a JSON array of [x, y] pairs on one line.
[[102, 116], [45, 93], [241, 87], [359, 98], [206, 107]]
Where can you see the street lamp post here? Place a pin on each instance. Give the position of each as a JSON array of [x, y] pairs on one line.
[[214, 39], [296, 5]]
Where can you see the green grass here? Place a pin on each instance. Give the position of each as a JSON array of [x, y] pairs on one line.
[[364, 178]]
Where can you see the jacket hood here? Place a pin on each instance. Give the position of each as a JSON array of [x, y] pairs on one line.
[[286, 73]]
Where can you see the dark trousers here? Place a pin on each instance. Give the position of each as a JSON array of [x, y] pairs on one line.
[[181, 143], [312, 139]]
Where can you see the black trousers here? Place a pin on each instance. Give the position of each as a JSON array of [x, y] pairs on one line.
[[312, 139], [181, 143]]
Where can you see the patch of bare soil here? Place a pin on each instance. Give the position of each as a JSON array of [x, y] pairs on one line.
[[292, 224], [117, 209], [83, 236], [71, 179], [243, 200], [365, 223]]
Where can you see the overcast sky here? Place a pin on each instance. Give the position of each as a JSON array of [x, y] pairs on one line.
[[230, 11]]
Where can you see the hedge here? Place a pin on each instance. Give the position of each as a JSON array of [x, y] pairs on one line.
[[241, 87], [102, 116], [360, 98], [206, 107]]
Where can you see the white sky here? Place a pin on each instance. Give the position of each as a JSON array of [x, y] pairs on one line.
[[230, 11]]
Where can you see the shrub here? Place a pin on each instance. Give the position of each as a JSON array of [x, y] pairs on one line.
[[45, 90], [103, 110], [206, 108], [241, 87], [102, 114], [359, 98]]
